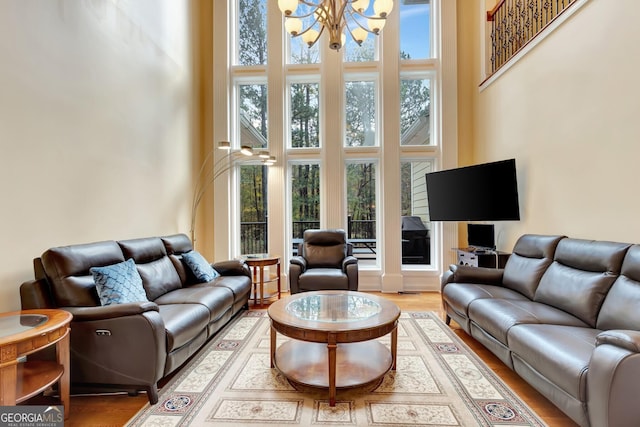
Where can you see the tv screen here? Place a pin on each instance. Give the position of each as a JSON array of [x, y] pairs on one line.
[[485, 192], [481, 236]]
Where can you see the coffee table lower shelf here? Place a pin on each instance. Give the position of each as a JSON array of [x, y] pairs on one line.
[[360, 365]]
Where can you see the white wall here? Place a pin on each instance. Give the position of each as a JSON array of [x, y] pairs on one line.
[[568, 112], [95, 126]]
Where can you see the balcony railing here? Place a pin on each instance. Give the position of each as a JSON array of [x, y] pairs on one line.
[[253, 235], [516, 22]]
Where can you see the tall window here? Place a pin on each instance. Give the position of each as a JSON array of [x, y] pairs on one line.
[[305, 114], [336, 118], [305, 199], [252, 115], [253, 209], [361, 208], [251, 32], [360, 113], [250, 121], [415, 29], [415, 111], [416, 227]]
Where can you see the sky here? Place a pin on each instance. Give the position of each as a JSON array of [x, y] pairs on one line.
[[415, 34]]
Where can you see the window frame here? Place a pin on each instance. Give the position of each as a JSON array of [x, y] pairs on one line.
[[386, 152]]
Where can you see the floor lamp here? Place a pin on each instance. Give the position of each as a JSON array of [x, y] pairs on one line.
[[210, 171]]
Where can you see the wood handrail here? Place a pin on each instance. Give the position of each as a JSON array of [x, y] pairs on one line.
[[492, 13]]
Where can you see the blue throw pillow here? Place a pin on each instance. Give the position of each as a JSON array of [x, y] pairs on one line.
[[118, 283], [199, 266]]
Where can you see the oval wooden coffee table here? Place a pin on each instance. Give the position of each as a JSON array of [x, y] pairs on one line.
[[345, 323]]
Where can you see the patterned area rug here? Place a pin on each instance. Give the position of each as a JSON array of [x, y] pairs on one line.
[[438, 382]]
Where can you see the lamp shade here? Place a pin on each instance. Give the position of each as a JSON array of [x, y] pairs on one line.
[[382, 7], [293, 26], [310, 37], [287, 7], [376, 25], [360, 5], [359, 35]]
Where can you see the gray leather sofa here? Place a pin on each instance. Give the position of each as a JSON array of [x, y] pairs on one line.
[[131, 346], [565, 315]]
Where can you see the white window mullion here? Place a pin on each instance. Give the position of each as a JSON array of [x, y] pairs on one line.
[[277, 216], [331, 139], [389, 228]]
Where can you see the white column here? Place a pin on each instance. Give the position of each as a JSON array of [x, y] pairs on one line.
[[277, 172], [390, 197], [449, 128], [332, 190], [222, 230]]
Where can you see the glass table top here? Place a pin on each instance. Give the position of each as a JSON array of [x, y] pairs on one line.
[[11, 325], [333, 307]]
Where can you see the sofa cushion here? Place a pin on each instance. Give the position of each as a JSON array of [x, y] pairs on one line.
[[318, 279], [498, 316], [460, 295], [560, 353], [530, 258], [620, 307], [581, 268], [199, 266], [177, 244], [118, 283], [67, 269], [217, 300], [159, 277], [158, 274], [324, 248], [143, 250], [183, 322], [239, 286]]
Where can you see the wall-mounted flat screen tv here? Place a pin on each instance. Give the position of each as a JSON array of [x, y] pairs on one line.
[[484, 192]]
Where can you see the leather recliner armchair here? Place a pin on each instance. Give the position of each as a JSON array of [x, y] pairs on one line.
[[325, 261]]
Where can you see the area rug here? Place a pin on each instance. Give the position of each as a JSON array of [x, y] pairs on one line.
[[438, 382]]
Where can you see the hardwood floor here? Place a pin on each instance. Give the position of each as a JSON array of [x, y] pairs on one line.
[[116, 410]]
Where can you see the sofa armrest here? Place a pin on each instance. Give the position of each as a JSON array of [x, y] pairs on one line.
[[299, 261], [614, 379], [627, 339], [36, 294], [347, 261], [480, 275], [128, 350], [232, 268], [297, 266], [84, 314]]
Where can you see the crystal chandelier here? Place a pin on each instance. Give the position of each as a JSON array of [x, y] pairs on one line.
[[336, 16]]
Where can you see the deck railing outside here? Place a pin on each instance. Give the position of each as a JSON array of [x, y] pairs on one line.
[[516, 22], [253, 235]]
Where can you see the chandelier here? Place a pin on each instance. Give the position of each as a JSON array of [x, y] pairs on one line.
[[336, 16]]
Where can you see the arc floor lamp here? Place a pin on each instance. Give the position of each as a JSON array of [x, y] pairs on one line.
[[210, 170]]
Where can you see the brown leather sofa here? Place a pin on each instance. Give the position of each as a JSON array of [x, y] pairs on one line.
[[131, 346], [325, 261], [565, 315]]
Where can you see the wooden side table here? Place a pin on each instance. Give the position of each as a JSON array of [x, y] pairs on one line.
[[25, 332], [258, 262]]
